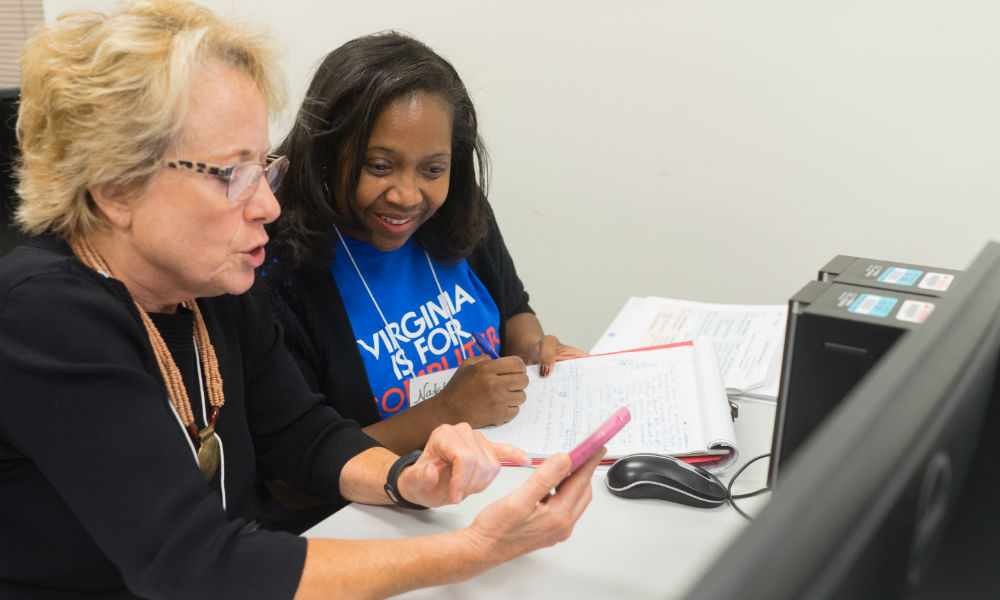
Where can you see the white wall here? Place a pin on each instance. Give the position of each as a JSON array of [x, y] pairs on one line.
[[714, 151]]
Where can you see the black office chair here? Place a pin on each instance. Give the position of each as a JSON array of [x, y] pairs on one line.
[[9, 236]]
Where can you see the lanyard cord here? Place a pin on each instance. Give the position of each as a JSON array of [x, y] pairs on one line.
[[441, 294]]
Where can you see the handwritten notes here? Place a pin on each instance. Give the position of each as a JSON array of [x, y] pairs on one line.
[[675, 394]]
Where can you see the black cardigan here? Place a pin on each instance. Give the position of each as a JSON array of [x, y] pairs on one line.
[[307, 303], [99, 492]]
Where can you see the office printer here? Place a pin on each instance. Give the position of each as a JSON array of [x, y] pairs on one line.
[[838, 327]]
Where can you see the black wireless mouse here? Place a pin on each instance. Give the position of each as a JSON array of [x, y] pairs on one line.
[[664, 478]]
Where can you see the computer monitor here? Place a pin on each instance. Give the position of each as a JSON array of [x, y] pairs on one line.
[[895, 494]]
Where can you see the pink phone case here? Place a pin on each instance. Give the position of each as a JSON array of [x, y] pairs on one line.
[[605, 432]]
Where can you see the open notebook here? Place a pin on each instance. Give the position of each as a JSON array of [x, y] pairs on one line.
[[674, 392]]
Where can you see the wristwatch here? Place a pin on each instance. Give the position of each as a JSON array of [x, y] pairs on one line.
[[392, 481]]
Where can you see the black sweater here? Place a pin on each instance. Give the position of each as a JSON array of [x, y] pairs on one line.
[[99, 491]]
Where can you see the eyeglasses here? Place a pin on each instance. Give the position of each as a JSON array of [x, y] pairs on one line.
[[242, 178]]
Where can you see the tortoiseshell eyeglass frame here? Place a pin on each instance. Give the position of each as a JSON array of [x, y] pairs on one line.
[[236, 195]]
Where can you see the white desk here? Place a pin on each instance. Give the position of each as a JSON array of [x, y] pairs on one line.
[[619, 548]]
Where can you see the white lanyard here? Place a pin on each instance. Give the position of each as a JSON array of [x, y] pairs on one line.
[[204, 418], [187, 437], [441, 295]]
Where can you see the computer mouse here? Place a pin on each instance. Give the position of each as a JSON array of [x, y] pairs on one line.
[[664, 478]]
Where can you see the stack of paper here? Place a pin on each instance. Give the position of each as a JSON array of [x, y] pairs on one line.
[[748, 338]]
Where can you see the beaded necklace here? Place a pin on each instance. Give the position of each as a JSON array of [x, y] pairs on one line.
[[205, 439]]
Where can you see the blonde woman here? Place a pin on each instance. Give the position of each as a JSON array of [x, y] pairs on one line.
[[144, 392]]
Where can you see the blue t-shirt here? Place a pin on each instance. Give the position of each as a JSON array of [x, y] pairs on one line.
[[427, 330]]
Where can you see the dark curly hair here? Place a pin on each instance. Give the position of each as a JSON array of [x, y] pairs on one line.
[[349, 91]]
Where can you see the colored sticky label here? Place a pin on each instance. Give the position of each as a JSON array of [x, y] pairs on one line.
[[900, 276], [873, 306], [936, 281], [914, 311]]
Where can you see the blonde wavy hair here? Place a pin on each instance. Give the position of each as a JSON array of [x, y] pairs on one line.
[[103, 97]]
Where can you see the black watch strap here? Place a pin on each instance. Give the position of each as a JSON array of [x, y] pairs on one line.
[[392, 481]]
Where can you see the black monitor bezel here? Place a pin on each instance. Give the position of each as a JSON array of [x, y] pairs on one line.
[[844, 482]]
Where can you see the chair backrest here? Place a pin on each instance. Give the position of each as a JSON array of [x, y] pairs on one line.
[[9, 237]]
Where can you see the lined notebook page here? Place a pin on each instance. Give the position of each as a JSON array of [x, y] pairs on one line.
[[675, 394], [658, 387]]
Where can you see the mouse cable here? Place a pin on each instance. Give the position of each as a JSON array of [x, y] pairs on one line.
[[729, 488]]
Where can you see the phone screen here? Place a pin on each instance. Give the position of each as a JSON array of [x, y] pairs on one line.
[[601, 435]]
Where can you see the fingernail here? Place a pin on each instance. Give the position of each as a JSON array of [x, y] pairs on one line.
[[544, 370]]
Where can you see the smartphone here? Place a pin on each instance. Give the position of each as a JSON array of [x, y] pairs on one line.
[[601, 435]]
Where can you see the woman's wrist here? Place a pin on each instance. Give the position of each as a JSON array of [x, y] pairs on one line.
[[393, 481], [480, 552], [524, 331], [444, 406]]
